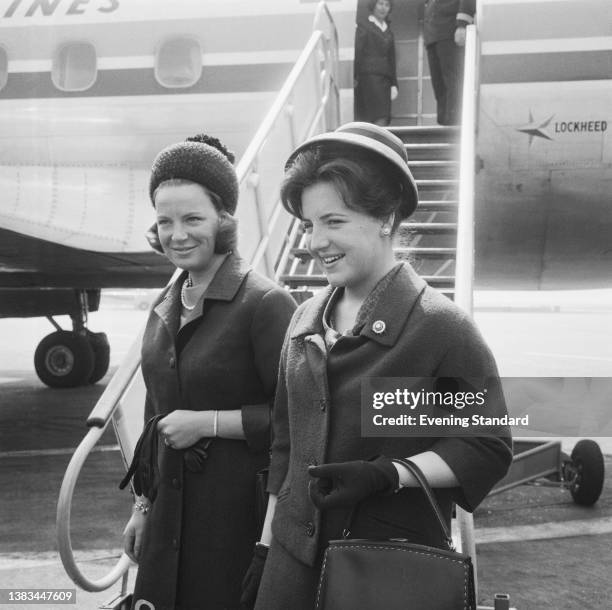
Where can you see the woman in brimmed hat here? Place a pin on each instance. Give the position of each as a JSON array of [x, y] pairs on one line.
[[210, 362], [351, 189]]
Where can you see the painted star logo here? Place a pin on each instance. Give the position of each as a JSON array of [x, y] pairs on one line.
[[536, 130]]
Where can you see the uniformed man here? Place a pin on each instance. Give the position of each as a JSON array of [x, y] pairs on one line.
[[444, 33]]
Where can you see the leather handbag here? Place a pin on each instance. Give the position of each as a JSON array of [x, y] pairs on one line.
[[396, 574]]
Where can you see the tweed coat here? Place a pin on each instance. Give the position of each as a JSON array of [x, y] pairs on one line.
[[201, 528], [316, 416], [441, 17]]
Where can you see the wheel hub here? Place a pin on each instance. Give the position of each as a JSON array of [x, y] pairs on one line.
[[59, 360]]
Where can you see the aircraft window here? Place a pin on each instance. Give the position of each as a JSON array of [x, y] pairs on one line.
[[3, 67], [75, 67], [178, 63]]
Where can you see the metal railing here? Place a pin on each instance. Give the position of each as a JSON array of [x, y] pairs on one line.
[[464, 264], [301, 109]]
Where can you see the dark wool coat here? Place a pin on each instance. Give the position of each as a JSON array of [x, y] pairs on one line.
[[374, 71], [201, 529], [316, 416], [441, 17]]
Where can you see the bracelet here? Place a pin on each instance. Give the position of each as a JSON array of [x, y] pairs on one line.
[[216, 423], [142, 507]]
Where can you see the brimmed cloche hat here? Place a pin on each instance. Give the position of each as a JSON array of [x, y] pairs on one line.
[[202, 159], [375, 139]]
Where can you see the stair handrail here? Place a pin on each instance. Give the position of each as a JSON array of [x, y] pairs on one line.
[[464, 270], [329, 99], [102, 413], [464, 263]]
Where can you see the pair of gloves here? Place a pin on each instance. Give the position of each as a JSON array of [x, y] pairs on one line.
[[337, 485]]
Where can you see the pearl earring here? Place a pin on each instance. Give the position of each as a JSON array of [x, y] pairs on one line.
[[386, 231]]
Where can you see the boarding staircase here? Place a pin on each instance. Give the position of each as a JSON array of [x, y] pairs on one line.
[[428, 239], [437, 240]]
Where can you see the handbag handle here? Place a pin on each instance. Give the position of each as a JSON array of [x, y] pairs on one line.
[[424, 484]]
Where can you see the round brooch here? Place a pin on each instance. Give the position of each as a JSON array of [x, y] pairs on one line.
[[379, 327]]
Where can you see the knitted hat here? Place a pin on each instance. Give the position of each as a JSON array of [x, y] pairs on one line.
[[201, 159], [375, 139]]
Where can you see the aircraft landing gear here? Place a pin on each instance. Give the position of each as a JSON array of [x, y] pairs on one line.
[[66, 359]]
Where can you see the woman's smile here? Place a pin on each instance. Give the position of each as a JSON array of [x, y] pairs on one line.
[[329, 260]]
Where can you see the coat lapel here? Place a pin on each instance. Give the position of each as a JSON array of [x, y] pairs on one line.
[[394, 307], [169, 308], [223, 287]]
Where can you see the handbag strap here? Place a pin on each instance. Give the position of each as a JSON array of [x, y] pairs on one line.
[[423, 483]]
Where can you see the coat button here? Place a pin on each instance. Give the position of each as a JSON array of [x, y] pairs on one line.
[[310, 528], [172, 362], [175, 544], [176, 484], [323, 404]]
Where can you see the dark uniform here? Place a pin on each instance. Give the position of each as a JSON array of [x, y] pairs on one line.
[[442, 17], [374, 72]]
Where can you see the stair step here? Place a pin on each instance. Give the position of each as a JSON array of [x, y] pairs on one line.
[[446, 282], [430, 228], [441, 183], [430, 253], [437, 170], [427, 134], [435, 151], [437, 206]]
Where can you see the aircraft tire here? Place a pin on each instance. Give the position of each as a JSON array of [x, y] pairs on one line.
[[64, 359], [588, 464], [101, 350]]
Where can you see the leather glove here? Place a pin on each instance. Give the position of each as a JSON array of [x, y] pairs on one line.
[[252, 578], [144, 467], [347, 483]]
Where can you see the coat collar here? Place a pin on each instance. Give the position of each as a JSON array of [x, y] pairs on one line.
[[383, 28], [223, 287], [393, 308]]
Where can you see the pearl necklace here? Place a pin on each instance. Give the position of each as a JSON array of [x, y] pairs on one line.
[[188, 283]]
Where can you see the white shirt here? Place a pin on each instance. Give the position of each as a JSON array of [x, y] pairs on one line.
[[382, 25]]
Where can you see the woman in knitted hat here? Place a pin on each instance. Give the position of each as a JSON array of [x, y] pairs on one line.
[[210, 361], [351, 189]]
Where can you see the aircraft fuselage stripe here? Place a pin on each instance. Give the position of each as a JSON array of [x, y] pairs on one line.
[[546, 67], [550, 19], [547, 45], [141, 81]]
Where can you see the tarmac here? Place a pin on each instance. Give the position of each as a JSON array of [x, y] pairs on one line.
[[533, 542]]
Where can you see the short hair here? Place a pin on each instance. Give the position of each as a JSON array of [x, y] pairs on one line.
[[372, 4], [365, 181], [227, 234]]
